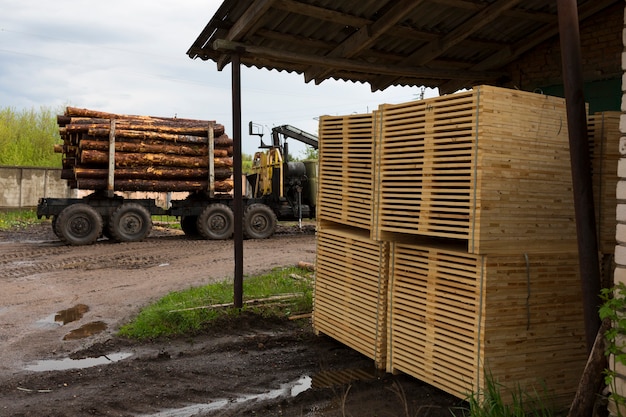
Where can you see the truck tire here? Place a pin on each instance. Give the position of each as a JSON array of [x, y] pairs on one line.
[[259, 222], [189, 225], [216, 222], [78, 224], [130, 222]]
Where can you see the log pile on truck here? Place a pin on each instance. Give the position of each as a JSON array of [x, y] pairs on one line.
[[106, 152], [150, 153]]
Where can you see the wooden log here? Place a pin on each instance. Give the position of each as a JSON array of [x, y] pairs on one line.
[[125, 130], [144, 121], [143, 147], [591, 382], [124, 159], [150, 173], [152, 185]]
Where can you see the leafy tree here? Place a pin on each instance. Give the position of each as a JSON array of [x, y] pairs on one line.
[[27, 137]]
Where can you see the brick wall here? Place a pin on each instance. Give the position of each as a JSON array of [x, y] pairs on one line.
[[620, 233], [601, 48]]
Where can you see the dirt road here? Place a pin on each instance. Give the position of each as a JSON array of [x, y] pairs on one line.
[[62, 303]]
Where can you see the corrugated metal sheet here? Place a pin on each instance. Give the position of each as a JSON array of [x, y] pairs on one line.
[[448, 44]]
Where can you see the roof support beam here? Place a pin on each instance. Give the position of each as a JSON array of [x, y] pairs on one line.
[[364, 37], [342, 64], [582, 184], [246, 22]]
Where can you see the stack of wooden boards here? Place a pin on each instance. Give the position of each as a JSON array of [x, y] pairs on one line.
[[447, 243], [150, 153]]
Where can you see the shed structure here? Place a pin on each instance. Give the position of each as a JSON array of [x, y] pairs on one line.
[[449, 45]]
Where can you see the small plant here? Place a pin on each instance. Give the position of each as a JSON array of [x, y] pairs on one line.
[[491, 402], [614, 309]]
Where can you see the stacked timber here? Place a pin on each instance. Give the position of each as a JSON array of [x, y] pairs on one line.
[[149, 153], [604, 138], [346, 174], [460, 208], [455, 318], [490, 166], [351, 288]]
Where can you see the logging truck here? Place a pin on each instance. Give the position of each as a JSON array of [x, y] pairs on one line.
[[107, 153]]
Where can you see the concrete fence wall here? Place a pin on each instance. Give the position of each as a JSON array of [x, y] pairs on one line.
[[22, 187]]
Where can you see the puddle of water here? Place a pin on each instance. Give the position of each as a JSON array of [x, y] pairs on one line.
[[63, 317], [86, 330], [71, 314], [67, 363], [290, 389], [48, 321]]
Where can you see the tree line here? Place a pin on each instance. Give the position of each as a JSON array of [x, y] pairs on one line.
[[28, 136]]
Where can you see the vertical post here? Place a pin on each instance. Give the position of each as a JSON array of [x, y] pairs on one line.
[[581, 166], [238, 197], [111, 173], [211, 139]]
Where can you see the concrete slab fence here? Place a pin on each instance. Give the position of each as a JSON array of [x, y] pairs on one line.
[[22, 187]]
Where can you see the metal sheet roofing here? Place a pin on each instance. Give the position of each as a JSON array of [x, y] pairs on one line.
[[449, 44]]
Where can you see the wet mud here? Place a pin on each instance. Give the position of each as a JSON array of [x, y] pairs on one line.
[[249, 367]]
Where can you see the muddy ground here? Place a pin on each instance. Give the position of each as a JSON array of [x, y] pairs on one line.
[[62, 305]]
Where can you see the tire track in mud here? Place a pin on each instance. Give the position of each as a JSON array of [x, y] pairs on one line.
[[27, 259], [19, 260]]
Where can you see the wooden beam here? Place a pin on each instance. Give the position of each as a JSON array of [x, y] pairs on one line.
[[245, 24], [365, 36], [321, 13], [343, 64]]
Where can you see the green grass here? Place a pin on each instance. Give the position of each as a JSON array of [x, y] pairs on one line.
[[491, 402], [178, 313], [12, 219]]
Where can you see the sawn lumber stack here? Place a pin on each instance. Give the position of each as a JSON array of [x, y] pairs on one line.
[[447, 242], [150, 153]]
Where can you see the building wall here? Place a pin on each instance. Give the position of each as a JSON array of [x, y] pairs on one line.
[[620, 234], [601, 48], [22, 187]]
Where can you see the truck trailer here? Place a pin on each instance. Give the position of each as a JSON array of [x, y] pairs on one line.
[[108, 153]]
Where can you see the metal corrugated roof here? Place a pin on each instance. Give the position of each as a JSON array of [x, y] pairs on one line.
[[449, 44]]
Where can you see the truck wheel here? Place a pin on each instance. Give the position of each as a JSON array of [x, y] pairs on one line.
[[189, 225], [216, 222], [78, 224], [54, 226], [259, 222], [130, 222]]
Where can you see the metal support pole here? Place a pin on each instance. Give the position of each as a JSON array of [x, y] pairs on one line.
[[238, 195], [581, 166]]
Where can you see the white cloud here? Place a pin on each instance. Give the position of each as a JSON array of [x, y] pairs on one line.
[[130, 57]]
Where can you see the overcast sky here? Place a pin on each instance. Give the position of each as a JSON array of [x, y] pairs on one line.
[[130, 57]]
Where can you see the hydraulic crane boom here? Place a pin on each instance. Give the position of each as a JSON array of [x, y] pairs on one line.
[[295, 133]]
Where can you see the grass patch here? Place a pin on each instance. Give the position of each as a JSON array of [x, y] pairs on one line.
[[520, 403], [12, 219], [181, 313], [170, 222]]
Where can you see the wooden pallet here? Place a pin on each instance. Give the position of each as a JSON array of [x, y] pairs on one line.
[[351, 290], [489, 166], [454, 316], [604, 138], [345, 170]]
